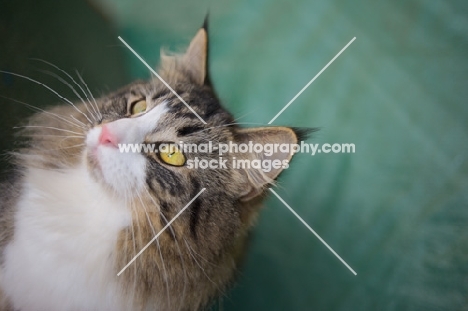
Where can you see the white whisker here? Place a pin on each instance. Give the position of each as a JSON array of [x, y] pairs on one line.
[[46, 112], [71, 88], [230, 124], [89, 91], [60, 136], [73, 80], [166, 277], [62, 148], [198, 264], [134, 251], [46, 127], [73, 117], [163, 263], [177, 244], [50, 89]]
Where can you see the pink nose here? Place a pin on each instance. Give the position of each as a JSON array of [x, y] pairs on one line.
[[107, 138]]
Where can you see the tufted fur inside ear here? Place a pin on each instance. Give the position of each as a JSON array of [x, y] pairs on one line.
[[257, 179]]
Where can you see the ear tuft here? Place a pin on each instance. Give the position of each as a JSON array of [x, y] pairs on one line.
[[303, 133], [205, 22]]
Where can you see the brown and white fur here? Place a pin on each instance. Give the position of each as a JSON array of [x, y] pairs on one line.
[[78, 210]]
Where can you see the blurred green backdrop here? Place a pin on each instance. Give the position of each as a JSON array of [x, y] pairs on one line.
[[396, 210]]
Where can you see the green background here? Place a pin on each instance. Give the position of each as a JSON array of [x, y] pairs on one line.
[[396, 210]]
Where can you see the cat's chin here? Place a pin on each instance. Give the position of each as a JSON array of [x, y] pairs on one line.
[[123, 173]]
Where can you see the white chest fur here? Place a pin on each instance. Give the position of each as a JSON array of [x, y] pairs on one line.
[[62, 253]]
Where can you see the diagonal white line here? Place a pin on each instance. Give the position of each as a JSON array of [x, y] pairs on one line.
[[160, 232], [313, 79], [312, 230], [159, 77]]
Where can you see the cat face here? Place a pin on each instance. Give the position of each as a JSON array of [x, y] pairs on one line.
[[149, 113], [165, 119]]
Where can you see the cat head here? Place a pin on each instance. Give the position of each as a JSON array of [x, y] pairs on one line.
[[149, 113]]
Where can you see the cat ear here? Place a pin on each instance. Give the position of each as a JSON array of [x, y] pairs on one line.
[[195, 59], [273, 161]]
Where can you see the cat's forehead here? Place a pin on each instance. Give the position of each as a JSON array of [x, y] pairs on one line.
[[138, 89], [179, 116]]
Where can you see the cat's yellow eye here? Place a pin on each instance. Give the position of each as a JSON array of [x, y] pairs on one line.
[[170, 154], [138, 107]]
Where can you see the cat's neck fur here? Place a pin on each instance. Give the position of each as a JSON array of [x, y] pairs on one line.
[[61, 207]]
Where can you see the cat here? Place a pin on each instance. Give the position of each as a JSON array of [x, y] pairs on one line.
[[77, 210]]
